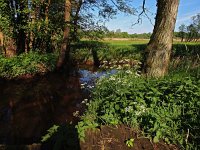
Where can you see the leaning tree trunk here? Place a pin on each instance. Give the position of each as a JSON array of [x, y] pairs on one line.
[[158, 50], [64, 52]]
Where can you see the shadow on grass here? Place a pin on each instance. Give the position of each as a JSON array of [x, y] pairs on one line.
[[66, 138]]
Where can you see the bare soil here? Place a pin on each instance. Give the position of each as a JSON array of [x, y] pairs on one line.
[[113, 138]]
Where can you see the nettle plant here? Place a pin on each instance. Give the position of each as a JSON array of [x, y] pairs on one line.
[[164, 109]]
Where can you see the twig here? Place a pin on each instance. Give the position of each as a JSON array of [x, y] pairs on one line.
[[186, 140], [144, 11]]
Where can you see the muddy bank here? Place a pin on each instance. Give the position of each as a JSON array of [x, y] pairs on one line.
[[114, 138], [28, 108]]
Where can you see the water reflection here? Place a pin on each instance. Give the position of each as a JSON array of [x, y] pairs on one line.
[[29, 107]]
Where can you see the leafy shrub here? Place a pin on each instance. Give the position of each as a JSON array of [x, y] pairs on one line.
[[50, 132], [165, 108], [30, 63]]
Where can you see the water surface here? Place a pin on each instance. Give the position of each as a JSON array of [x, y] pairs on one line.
[[29, 107]]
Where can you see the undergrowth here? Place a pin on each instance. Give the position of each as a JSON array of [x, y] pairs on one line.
[[30, 63], [164, 109]]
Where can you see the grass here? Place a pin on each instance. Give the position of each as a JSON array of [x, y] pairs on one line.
[[164, 109], [126, 42], [115, 50]]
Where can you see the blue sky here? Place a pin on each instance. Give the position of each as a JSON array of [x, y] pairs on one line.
[[187, 9]]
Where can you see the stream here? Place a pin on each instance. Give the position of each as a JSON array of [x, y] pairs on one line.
[[28, 108]]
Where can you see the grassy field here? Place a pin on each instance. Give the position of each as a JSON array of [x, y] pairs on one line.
[[118, 49], [126, 42], [123, 42]]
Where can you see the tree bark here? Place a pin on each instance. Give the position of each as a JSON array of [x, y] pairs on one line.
[[1, 43], [158, 50], [64, 52], [47, 11], [76, 17], [48, 42], [21, 21]]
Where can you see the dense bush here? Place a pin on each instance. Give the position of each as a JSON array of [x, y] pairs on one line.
[[167, 109], [30, 63]]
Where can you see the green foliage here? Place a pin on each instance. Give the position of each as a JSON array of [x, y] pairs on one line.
[[185, 66], [30, 63], [111, 53], [87, 123], [82, 51], [61, 137], [50, 132], [119, 34], [165, 108], [191, 32], [5, 18], [130, 142], [185, 49]]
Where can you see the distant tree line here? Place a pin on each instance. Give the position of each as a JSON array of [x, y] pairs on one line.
[[191, 32], [119, 34]]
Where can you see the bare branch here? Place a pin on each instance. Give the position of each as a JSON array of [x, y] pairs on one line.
[[144, 11]]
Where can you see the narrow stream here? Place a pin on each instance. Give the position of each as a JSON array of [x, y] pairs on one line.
[[29, 107]]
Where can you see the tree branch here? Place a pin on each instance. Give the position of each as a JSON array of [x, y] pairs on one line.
[[144, 11]]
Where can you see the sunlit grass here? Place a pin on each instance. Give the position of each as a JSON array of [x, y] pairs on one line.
[[125, 42]]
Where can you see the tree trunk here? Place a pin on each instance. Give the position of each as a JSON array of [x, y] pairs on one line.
[[22, 21], [64, 52], [158, 50], [182, 36], [76, 17], [1, 42], [48, 42], [47, 11]]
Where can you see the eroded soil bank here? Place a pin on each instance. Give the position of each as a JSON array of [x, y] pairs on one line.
[[114, 138]]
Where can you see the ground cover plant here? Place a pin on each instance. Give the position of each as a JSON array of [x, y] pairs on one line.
[[30, 63], [164, 109]]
